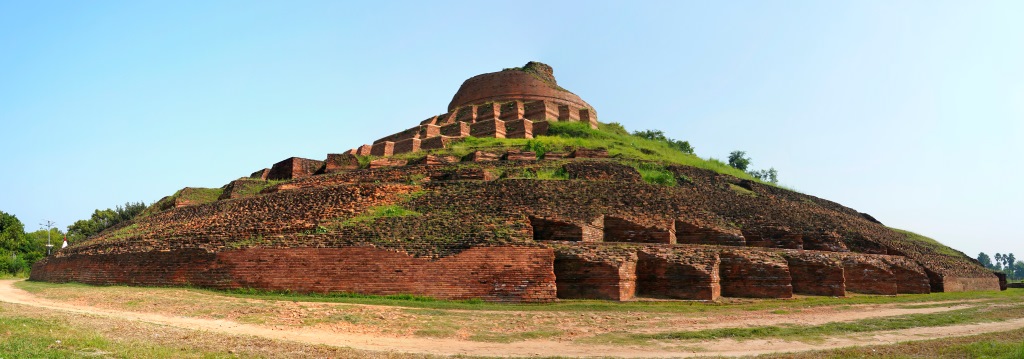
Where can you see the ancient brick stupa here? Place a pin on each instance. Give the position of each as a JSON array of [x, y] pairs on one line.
[[420, 212], [512, 103]]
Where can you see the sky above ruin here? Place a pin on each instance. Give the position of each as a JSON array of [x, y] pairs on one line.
[[910, 111]]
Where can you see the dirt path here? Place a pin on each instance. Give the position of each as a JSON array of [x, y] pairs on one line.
[[10, 294]]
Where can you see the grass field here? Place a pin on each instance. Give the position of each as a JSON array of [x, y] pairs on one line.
[[647, 325]]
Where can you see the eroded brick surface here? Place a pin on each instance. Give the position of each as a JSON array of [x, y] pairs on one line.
[[491, 273]]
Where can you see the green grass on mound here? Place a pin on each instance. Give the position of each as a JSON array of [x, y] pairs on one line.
[[931, 244], [568, 136]]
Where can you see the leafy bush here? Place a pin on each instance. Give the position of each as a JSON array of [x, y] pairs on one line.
[[103, 219], [537, 147], [739, 160], [658, 135], [11, 265]]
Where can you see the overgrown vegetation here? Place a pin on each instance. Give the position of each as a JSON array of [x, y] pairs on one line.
[[931, 244], [1005, 263], [654, 173], [103, 219], [659, 136], [568, 136], [19, 250], [374, 213], [740, 161]]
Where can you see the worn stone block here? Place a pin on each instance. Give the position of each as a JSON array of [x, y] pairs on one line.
[[540, 128], [437, 142], [550, 229], [432, 120], [261, 174], [481, 156], [555, 155], [466, 114], [568, 113], [692, 232], [293, 168], [340, 162], [387, 162], [816, 274], [622, 230], [601, 171], [428, 131], [868, 275], [520, 128], [590, 153], [754, 275], [488, 111], [434, 160], [540, 110], [595, 276], [519, 155], [512, 110], [589, 116], [458, 129], [383, 149], [488, 128], [678, 273], [364, 150], [407, 146]]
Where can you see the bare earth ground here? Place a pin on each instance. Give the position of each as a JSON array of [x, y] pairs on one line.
[[479, 332]]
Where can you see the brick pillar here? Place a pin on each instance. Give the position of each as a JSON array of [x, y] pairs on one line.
[[487, 111], [540, 110], [512, 111]]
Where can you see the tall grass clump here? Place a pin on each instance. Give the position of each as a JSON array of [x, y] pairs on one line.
[[654, 173]]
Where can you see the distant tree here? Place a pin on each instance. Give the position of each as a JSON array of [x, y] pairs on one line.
[[769, 175], [1018, 270], [654, 135], [11, 231], [12, 238], [103, 219], [658, 135], [998, 264], [1009, 261], [985, 260], [739, 160]]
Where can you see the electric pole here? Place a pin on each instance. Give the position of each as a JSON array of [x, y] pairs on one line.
[[49, 224]]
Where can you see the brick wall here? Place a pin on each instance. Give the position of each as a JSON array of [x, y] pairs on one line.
[[511, 274]]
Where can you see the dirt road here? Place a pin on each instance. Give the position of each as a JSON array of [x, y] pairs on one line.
[[11, 294]]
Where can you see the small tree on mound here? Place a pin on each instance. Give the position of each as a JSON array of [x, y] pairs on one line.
[[739, 160]]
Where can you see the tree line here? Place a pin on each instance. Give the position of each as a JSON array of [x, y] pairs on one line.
[[20, 249], [1006, 263]]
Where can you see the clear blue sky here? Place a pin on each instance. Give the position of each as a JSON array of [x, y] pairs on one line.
[[912, 111]]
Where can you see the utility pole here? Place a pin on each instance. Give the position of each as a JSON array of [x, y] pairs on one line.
[[49, 224]]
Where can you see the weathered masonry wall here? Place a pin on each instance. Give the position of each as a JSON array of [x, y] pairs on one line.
[[510, 274], [617, 272]]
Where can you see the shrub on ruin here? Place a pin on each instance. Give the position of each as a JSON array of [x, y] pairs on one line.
[[537, 147], [739, 160]]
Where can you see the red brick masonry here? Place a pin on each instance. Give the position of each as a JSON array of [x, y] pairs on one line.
[[508, 274]]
